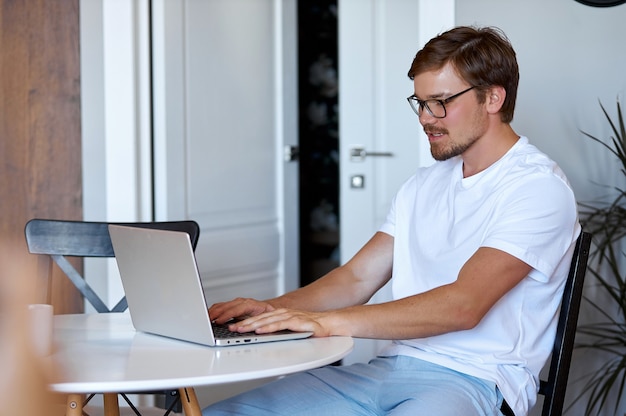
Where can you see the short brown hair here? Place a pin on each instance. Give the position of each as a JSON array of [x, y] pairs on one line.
[[483, 57]]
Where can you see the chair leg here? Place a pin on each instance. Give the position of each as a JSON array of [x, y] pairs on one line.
[[190, 402], [74, 405], [111, 405]]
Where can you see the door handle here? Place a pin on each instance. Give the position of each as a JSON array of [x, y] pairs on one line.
[[358, 154], [291, 153]]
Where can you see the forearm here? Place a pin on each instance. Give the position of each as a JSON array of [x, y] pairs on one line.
[[338, 289], [436, 312], [351, 284]]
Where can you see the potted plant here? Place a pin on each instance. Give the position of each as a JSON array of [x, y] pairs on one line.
[[606, 334]]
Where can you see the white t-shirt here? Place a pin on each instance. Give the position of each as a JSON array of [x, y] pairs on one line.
[[522, 205]]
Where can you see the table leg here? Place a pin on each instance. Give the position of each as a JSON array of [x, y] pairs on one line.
[[111, 405], [190, 402], [74, 405]]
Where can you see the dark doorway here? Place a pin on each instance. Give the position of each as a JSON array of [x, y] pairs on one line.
[[318, 138]]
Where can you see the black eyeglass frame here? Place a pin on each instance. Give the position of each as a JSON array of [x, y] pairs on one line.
[[417, 105]]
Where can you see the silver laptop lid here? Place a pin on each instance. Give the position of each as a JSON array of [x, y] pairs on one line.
[[161, 282]]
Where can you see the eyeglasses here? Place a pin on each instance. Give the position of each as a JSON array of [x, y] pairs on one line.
[[436, 108]]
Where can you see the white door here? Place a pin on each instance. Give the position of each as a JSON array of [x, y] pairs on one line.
[[377, 42], [224, 83]]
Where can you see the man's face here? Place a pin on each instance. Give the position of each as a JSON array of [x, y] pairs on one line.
[[465, 121]]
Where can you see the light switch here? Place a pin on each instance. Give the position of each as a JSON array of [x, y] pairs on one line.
[[357, 181]]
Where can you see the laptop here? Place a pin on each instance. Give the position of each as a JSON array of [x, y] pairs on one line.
[[164, 292]]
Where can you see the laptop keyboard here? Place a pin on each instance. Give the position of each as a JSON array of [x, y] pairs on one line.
[[222, 331]]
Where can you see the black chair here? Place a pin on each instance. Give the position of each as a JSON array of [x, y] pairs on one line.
[[58, 239], [553, 389]]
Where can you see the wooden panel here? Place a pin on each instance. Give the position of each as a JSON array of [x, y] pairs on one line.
[[40, 173]]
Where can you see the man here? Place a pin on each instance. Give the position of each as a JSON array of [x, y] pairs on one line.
[[477, 246]]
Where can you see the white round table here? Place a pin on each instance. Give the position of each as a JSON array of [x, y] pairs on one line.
[[103, 353]]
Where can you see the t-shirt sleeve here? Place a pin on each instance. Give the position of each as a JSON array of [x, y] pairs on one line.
[[530, 221], [389, 226]]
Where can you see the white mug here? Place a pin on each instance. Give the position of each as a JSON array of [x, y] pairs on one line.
[[41, 317]]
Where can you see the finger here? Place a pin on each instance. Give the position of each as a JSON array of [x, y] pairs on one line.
[[277, 321], [224, 311], [253, 323], [238, 308]]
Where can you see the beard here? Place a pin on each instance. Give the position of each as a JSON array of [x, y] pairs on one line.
[[445, 151], [455, 145]]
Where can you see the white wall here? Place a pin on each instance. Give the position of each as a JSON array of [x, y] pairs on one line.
[[570, 56]]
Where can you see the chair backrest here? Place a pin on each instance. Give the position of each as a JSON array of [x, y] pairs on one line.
[[553, 389], [59, 239]]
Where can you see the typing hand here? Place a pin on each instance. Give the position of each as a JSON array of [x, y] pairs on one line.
[[280, 319], [237, 308]]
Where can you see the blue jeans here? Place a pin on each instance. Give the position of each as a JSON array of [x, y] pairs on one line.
[[397, 385]]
